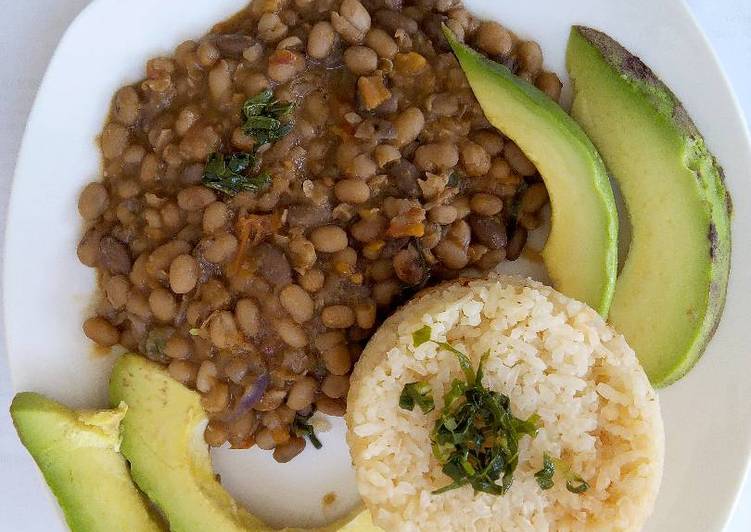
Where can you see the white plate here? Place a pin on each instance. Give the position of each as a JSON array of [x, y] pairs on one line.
[[47, 291]]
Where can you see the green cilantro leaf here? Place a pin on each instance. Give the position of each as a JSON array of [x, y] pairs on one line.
[[421, 336], [228, 174], [265, 118], [417, 393], [544, 476], [302, 428]]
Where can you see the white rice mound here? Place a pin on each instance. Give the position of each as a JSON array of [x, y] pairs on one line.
[[551, 355]]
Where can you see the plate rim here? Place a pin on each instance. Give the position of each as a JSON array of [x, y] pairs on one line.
[[13, 202], [745, 122]]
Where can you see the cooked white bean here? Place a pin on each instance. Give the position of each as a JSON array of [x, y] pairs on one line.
[[183, 274], [297, 303], [101, 331], [291, 333], [329, 238], [338, 317], [321, 40], [248, 317]]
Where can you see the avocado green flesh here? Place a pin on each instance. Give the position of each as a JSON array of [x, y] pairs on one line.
[[163, 441], [77, 454], [670, 293], [581, 253]]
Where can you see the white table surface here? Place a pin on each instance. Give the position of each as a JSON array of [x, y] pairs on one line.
[[29, 32]]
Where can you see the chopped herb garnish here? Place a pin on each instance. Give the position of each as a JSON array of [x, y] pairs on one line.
[[264, 103], [417, 393], [476, 437], [228, 174], [255, 105], [453, 179], [544, 477], [420, 336], [465, 363], [577, 484], [154, 344], [302, 429], [262, 122], [529, 426], [264, 117]]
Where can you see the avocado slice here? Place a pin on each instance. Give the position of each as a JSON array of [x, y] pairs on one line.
[[76, 452], [581, 254], [169, 459], [671, 290]]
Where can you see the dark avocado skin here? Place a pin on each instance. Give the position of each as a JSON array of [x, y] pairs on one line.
[[669, 298]]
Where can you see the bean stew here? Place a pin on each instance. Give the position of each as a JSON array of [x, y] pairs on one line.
[[275, 189]]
